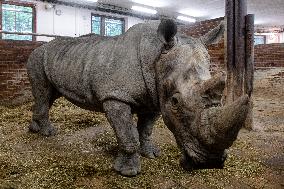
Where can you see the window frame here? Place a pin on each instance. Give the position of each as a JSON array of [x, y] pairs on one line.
[[24, 4], [103, 17], [264, 38]]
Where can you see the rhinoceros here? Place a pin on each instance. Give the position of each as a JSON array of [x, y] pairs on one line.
[[149, 70]]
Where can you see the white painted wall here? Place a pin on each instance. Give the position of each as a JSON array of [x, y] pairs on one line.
[[273, 38], [282, 37], [132, 21], [73, 21]]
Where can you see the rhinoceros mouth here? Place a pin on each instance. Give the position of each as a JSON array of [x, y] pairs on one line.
[[190, 161]]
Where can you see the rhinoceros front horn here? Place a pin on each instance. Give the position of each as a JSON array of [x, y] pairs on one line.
[[220, 125]]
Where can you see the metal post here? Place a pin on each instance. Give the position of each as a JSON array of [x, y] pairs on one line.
[[239, 49], [249, 67], [229, 48], [235, 52]]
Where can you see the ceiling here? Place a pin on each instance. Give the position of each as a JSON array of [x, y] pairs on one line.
[[267, 12]]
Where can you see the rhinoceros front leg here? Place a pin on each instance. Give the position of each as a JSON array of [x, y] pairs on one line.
[[145, 127], [120, 118]]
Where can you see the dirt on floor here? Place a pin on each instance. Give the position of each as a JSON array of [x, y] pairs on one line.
[[81, 155]]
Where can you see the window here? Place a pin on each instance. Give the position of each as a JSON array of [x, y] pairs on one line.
[[259, 39], [17, 17], [107, 26]]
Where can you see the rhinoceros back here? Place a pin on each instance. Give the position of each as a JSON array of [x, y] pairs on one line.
[[91, 69]]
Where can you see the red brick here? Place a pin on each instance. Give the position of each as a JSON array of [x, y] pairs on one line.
[[265, 55], [13, 74]]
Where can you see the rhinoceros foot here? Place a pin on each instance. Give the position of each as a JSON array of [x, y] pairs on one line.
[[127, 164], [149, 150], [45, 129]]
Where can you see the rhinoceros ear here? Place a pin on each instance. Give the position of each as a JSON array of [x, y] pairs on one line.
[[214, 35], [167, 30]]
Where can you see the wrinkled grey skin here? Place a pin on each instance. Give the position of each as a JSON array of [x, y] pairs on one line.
[[148, 70]]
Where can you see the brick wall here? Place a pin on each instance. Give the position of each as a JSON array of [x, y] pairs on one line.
[[200, 28], [216, 51], [14, 84], [269, 55]]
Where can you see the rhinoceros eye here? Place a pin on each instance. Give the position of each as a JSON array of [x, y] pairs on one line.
[[175, 100], [206, 101], [205, 97]]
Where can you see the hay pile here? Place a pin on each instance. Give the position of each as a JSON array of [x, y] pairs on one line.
[[73, 159]]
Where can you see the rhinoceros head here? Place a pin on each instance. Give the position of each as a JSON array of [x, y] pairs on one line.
[[190, 101]]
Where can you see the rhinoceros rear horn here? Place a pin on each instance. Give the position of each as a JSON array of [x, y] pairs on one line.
[[167, 30], [214, 35], [216, 83]]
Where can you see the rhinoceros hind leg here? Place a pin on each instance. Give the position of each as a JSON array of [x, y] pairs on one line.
[[46, 130], [120, 118], [44, 96], [41, 124], [145, 127]]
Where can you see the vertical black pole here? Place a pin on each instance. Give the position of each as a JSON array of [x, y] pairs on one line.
[[240, 51], [229, 47], [249, 67], [239, 47], [249, 64], [235, 48]]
